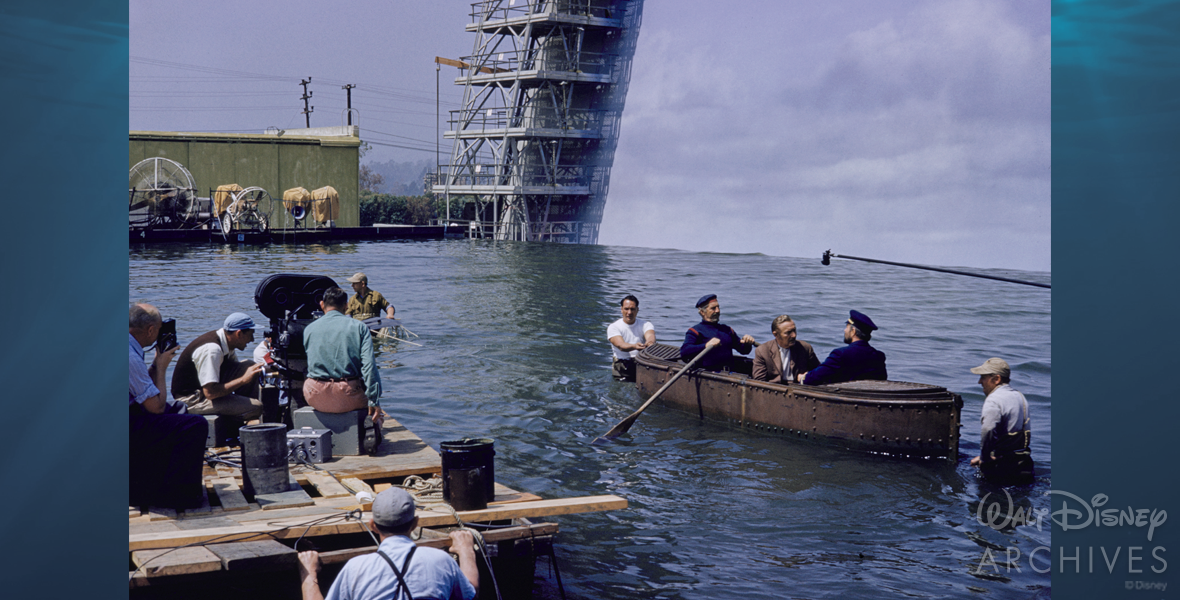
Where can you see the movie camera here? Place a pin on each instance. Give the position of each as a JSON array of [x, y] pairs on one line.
[[292, 302]]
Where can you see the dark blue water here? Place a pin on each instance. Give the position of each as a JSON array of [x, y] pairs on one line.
[[514, 348]]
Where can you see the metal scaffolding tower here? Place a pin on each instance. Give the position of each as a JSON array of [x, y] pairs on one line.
[[543, 99]]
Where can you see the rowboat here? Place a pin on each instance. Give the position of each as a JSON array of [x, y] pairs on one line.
[[890, 417]]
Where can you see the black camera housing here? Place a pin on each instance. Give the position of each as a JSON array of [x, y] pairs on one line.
[[166, 339], [291, 302]]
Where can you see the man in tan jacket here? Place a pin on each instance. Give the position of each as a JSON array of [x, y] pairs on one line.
[[797, 355]]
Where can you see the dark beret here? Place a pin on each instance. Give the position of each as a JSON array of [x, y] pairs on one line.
[[706, 299]]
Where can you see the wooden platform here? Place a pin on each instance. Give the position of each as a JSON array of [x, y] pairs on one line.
[[229, 533]]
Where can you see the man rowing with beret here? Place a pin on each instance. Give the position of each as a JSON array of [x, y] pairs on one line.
[[857, 360], [709, 333]]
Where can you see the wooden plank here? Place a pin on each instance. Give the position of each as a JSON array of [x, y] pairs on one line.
[[133, 512], [316, 510], [536, 508], [327, 486], [151, 527], [180, 561], [266, 554], [205, 522], [358, 485], [230, 494], [289, 499], [161, 514], [293, 527], [289, 528], [444, 542], [506, 494]]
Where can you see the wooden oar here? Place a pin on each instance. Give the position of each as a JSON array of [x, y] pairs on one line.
[[626, 424]]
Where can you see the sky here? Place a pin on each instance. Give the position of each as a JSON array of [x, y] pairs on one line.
[[911, 130]]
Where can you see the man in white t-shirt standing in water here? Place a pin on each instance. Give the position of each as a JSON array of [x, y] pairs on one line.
[[628, 336]]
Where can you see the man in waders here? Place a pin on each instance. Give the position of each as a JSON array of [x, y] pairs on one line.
[[627, 337], [367, 303], [399, 568], [1004, 454]]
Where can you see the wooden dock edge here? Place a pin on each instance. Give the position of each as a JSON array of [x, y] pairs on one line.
[[141, 579], [294, 527]]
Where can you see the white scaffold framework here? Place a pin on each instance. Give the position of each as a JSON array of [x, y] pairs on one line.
[[543, 100]]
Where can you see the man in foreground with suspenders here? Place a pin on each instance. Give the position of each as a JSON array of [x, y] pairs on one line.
[[399, 569]]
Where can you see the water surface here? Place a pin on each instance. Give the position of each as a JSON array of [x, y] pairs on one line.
[[514, 348]]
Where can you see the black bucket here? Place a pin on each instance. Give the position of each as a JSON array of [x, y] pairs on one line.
[[264, 459], [468, 473]]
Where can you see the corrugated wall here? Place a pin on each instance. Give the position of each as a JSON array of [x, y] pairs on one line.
[[267, 161]]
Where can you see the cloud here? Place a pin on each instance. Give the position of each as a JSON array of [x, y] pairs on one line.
[[921, 136]]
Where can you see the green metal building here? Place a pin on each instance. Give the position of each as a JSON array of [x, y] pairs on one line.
[[309, 158]]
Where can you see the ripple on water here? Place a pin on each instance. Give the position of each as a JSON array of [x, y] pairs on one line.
[[514, 349]]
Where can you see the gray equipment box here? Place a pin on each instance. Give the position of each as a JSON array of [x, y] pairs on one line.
[[222, 431], [348, 429], [313, 445]]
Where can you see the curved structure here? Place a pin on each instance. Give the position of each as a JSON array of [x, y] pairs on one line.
[[543, 99], [892, 417]]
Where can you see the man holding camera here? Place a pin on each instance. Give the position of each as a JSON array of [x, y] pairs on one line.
[[211, 380], [166, 448], [342, 375]]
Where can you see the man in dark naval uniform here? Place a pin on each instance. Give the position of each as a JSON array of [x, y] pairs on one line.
[[709, 333], [857, 360]]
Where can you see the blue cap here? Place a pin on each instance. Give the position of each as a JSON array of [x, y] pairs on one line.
[[861, 321], [706, 299], [238, 321]]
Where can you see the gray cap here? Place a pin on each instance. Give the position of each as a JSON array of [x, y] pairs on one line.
[[993, 366], [238, 321], [393, 507], [358, 278]]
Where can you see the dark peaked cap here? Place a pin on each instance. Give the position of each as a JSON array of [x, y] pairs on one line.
[[861, 321]]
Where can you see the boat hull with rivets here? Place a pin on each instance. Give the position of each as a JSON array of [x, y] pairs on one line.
[[890, 417]]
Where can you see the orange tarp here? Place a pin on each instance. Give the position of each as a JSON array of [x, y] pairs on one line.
[[327, 204], [224, 196]]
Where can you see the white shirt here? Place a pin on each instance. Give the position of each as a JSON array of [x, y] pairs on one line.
[[208, 359], [784, 355], [631, 334], [261, 352]]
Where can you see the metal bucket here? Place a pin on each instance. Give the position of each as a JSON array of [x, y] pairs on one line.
[[468, 468], [264, 459]]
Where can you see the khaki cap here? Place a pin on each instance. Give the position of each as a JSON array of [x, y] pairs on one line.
[[358, 278], [993, 366]]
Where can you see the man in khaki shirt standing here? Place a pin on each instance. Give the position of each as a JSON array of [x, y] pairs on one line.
[[367, 303]]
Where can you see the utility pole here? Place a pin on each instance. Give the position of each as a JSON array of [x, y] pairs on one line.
[[348, 90], [307, 96]]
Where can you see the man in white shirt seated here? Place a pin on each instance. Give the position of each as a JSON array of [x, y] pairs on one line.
[[211, 380], [628, 336]]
